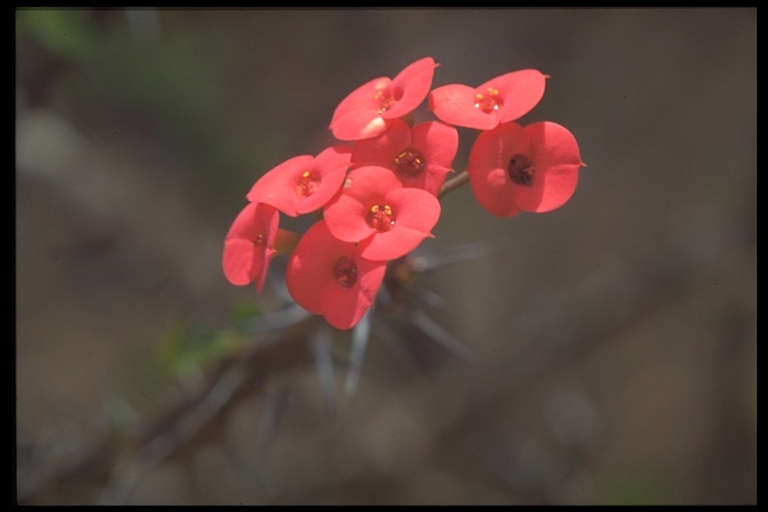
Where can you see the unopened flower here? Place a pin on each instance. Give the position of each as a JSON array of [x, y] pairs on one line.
[[249, 245], [329, 277], [374, 209], [421, 156], [303, 183], [500, 100], [364, 112], [534, 168]]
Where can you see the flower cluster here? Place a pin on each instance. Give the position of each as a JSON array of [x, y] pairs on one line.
[[378, 195]]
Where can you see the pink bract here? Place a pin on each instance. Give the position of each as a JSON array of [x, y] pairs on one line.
[[304, 183], [533, 168], [328, 277], [499, 100], [420, 157], [249, 245], [365, 111], [374, 209]]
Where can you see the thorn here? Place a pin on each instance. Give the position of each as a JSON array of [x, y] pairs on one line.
[[442, 337], [360, 337], [321, 346]]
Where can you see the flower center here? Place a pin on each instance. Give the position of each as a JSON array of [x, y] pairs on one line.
[[488, 102], [307, 185], [259, 239], [520, 170], [386, 100], [345, 271], [380, 218], [410, 163]]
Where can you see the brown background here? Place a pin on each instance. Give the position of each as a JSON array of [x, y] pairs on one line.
[[614, 339]]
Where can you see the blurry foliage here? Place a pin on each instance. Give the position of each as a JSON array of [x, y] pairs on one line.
[[635, 487], [176, 91], [244, 310], [186, 349], [166, 87], [65, 33], [180, 357]]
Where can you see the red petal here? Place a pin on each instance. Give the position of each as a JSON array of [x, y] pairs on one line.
[[487, 168], [520, 90], [278, 186], [243, 259], [553, 144], [382, 149], [555, 156], [416, 212], [332, 158], [344, 307], [312, 285], [364, 187], [438, 142], [455, 104], [310, 266], [411, 86], [494, 148], [357, 116], [330, 166], [552, 187]]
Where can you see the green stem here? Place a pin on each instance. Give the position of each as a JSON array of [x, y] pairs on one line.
[[453, 183]]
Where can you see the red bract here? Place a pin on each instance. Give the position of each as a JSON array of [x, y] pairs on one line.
[[421, 156], [328, 277], [533, 168], [500, 100], [249, 245], [364, 112], [374, 209], [304, 183]]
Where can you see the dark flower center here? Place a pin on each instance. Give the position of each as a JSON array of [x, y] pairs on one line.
[[307, 185], [520, 170], [380, 218], [345, 271], [489, 101], [410, 163], [386, 100]]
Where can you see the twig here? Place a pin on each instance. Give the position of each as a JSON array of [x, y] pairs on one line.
[[453, 184]]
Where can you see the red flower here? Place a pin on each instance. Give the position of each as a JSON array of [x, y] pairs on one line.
[[303, 184], [533, 168], [420, 156], [364, 112], [374, 209], [500, 100], [249, 245], [327, 276]]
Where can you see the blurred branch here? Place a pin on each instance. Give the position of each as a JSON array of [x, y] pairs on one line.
[[453, 184], [321, 347], [125, 459], [129, 471], [440, 336], [473, 250], [571, 329], [360, 337]]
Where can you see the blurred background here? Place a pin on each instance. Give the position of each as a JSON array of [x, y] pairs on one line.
[[601, 353]]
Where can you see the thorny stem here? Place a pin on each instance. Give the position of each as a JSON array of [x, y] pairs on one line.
[[453, 183]]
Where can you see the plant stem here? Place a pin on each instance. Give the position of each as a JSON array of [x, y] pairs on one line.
[[453, 183]]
